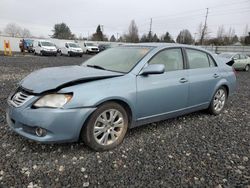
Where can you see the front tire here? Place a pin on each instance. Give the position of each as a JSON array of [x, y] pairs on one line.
[[106, 127], [247, 68], [218, 102]]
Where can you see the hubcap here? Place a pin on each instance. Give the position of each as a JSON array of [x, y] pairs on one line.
[[219, 100], [108, 127]]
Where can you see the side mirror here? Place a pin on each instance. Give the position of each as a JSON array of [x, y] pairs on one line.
[[39, 45], [153, 69]]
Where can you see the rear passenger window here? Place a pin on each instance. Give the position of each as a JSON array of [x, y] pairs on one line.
[[171, 58], [197, 59], [211, 61]]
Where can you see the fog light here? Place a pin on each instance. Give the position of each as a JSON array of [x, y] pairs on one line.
[[40, 132]]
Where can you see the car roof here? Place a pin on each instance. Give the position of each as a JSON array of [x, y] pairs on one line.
[[166, 45]]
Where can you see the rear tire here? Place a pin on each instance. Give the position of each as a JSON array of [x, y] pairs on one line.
[[218, 101], [106, 127]]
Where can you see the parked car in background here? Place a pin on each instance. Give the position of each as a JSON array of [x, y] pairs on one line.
[[43, 47], [26, 45], [241, 61], [71, 49], [103, 47], [89, 47], [120, 88]]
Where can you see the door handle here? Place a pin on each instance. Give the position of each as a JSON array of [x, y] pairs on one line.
[[183, 80], [216, 76]]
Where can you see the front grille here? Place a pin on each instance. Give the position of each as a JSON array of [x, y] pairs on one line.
[[94, 49], [19, 98]]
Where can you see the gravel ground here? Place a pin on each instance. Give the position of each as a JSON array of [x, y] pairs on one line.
[[195, 150]]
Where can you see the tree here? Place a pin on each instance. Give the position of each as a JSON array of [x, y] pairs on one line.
[[144, 38], [220, 35], [98, 35], [112, 39], [132, 35], [62, 31], [13, 30], [167, 38], [25, 33], [155, 38], [247, 39], [184, 37], [121, 39]]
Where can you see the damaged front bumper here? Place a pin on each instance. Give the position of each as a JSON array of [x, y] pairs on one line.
[[59, 125]]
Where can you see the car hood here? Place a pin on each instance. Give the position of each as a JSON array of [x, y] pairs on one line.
[[89, 47], [49, 47], [76, 49], [49, 79]]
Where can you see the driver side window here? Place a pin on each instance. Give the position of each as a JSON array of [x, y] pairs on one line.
[[171, 58]]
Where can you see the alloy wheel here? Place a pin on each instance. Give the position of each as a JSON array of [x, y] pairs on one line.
[[219, 100], [108, 127]]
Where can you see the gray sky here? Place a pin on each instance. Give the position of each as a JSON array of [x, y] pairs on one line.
[[83, 16]]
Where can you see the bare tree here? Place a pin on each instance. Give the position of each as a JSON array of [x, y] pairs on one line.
[[246, 31], [13, 30], [220, 34], [132, 35], [25, 33]]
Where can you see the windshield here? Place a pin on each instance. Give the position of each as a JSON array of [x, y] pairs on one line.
[[226, 55], [47, 44], [73, 45], [120, 59], [89, 44]]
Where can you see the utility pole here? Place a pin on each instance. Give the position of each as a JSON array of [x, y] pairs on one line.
[[204, 29], [150, 30], [117, 34]]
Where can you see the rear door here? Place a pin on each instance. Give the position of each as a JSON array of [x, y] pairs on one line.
[[159, 94], [203, 76]]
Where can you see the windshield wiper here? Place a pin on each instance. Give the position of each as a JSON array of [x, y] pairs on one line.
[[96, 67]]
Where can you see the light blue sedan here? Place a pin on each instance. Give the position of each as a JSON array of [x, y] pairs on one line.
[[120, 88]]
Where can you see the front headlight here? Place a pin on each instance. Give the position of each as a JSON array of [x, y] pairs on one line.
[[53, 100]]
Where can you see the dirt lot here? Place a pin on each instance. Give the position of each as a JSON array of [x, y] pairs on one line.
[[193, 150]]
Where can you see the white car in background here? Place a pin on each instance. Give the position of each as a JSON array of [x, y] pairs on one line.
[[241, 61], [71, 49], [43, 47], [89, 47]]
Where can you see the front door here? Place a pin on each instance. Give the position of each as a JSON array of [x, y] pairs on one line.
[[163, 93]]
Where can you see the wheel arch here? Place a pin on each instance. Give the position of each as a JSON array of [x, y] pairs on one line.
[[121, 102], [226, 87]]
